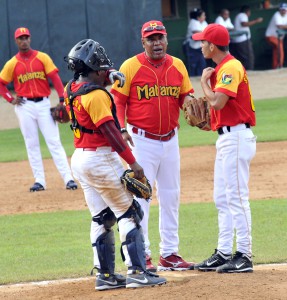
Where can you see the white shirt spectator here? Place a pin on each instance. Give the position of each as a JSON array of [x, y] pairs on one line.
[[276, 20], [226, 23], [241, 17], [195, 26]]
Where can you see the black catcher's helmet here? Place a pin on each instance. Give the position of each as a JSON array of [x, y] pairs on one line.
[[88, 54]]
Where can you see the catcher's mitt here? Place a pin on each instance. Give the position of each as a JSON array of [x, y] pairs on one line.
[[140, 188], [60, 114], [196, 112]]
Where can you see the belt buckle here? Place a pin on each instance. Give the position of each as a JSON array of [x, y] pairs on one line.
[[167, 137]]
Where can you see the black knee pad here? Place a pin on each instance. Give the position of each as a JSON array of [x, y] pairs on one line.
[[106, 217], [135, 211], [136, 248], [105, 244]]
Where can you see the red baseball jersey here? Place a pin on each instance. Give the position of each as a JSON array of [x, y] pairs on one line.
[[230, 78], [153, 96], [28, 73], [91, 111]]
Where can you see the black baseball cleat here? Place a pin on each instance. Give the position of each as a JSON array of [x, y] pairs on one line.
[[212, 263], [138, 279], [36, 187], [240, 263], [110, 281], [71, 185]]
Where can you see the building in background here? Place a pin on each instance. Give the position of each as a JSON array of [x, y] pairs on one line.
[[109, 22]]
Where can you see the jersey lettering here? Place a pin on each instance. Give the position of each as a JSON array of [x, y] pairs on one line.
[[22, 78], [147, 92]]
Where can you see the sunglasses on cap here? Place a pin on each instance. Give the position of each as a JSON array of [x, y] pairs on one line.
[[152, 28]]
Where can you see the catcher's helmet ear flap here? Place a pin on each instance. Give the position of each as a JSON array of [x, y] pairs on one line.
[[88, 53]]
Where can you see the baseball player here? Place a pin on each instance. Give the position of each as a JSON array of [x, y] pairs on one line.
[[232, 116], [30, 70], [96, 164], [150, 102]]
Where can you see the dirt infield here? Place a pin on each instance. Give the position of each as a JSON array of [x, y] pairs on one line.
[[268, 180]]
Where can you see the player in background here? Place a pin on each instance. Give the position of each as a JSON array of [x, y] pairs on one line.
[[30, 70], [224, 19], [96, 164], [241, 46], [232, 116], [150, 102]]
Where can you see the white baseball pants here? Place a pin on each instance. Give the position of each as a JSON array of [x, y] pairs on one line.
[[99, 175], [161, 164], [235, 151], [32, 115]]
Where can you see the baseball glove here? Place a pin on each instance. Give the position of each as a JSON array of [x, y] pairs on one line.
[[196, 112], [140, 188], [60, 114]]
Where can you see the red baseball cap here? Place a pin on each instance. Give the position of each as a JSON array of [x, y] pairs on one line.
[[152, 27], [21, 31], [213, 33]]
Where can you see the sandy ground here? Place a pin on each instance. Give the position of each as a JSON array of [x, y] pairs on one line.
[[268, 181]]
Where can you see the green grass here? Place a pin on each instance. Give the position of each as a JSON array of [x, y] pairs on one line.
[[56, 245], [13, 147], [43, 246], [271, 126]]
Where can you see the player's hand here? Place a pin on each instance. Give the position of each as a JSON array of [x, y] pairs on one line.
[[259, 20], [206, 74], [116, 75], [128, 139], [138, 170], [18, 101]]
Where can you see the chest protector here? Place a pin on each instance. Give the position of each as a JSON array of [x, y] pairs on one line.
[[83, 90]]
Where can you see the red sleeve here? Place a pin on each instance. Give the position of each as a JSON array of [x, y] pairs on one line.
[[4, 92], [113, 135], [121, 111], [57, 82]]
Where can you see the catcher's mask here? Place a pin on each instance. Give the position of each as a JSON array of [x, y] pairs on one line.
[[88, 54]]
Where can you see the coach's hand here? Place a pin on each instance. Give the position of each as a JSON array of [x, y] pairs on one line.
[[18, 101]]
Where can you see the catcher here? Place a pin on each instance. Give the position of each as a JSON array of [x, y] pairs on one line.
[[97, 166], [196, 112]]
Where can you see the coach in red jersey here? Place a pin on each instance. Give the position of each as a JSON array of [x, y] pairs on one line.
[[30, 70], [150, 102], [232, 116]]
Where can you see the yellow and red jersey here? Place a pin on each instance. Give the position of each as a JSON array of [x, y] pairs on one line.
[[152, 96], [91, 111], [230, 78], [28, 73]]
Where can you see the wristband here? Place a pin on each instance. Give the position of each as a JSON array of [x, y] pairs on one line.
[[127, 156], [123, 130]]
